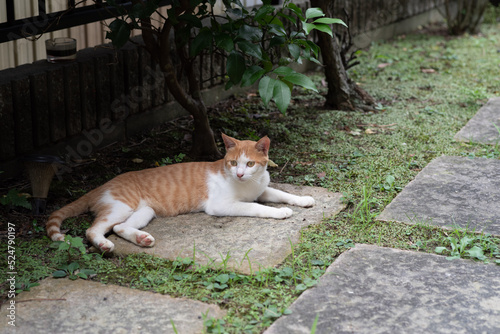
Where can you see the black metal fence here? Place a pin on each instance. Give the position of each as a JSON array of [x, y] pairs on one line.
[[76, 15]]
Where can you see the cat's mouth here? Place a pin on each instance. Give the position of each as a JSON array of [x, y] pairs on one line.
[[242, 178]]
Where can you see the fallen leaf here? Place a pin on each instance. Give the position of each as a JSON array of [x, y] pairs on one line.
[[370, 131], [321, 175], [137, 160], [428, 70], [383, 65], [355, 132]]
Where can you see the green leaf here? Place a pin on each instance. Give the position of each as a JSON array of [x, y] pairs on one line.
[[224, 42], [294, 50], [250, 49], [297, 10], [73, 277], [73, 266], [15, 198], [314, 47], [63, 246], [263, 11], [191, 19], [289, 18], [272, 312], [283, 71], [235, 67], [286, 272], [282, 95], [301, 287], [311, 13], [324, 28], [82, 275], [309, 282], [89, 272], [301, 80], [119, 33], [55, 244], [268, 66], [266, 88], [328, 20], [318, 262], [308, 27], [202, 41], [277, 29], [249, 33], [59, 274], [277, 40], [220, 286], [477, 252], [77, 242], [439, 250], [251, 75], [222, 278]]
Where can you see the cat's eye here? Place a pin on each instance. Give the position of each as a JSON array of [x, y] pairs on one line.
[[233, 163], [251, 163]]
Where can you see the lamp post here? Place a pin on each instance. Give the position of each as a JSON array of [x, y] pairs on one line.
[[41, 169]]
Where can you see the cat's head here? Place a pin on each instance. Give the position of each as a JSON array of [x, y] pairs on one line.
[[246, 159]]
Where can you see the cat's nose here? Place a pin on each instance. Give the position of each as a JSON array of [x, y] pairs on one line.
[[239, 175]]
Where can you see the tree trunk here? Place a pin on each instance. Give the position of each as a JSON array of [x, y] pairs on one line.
[[342, 93], [339, 89], [204, 146]]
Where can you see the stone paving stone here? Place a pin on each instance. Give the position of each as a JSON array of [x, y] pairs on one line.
[[92, 307], [482, 128], [244, 243], [451, 192], [371, 289]]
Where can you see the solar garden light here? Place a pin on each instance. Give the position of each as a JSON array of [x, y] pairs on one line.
[[41, 169]]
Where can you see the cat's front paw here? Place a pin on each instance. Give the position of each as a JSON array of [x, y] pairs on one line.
[[283, 213], [305, 201]]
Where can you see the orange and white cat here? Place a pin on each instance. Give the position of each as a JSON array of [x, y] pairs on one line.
[[227, 187]]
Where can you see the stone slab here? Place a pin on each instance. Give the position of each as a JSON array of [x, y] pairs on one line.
[[482, 128], [244, 244], [451, 192], [371, 289], [92, 307]]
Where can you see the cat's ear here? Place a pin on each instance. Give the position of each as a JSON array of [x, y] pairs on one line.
[[263, 145], [228, 141]]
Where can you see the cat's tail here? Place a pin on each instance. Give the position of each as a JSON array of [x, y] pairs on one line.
[[75, 208]]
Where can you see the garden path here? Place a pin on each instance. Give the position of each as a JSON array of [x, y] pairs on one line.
[[371, 289], [368, 289]]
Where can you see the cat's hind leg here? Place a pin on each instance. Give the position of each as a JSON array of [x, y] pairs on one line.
[[109, 216], [130, 229]]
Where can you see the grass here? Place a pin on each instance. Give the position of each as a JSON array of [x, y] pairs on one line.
[[369, 157]]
